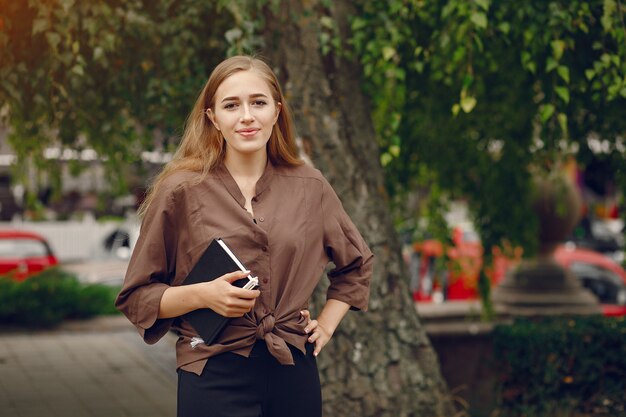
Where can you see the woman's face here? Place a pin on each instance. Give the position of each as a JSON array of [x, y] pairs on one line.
[[244, 112]]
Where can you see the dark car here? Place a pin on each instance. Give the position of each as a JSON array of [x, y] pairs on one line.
[[23, 254]]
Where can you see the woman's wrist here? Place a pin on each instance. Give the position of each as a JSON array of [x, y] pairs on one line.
[[332, 314]]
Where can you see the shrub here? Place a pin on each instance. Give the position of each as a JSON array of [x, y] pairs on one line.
[[50, 297], [562, 366]]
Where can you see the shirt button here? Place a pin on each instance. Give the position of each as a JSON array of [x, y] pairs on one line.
[[264, 248], [265, 280], [261, 219]]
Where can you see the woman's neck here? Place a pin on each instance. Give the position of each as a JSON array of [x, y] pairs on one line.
[[246, 166]]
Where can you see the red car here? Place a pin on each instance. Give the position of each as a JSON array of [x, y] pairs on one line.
[[23, 254], [599, 274]]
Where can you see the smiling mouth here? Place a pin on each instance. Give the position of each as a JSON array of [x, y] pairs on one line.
[[247, 132]]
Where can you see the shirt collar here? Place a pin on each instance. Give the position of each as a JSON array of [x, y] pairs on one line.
[[231, 185], [263, 183]]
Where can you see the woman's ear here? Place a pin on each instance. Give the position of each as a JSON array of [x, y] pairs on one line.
[[279, 106], [211, 116]]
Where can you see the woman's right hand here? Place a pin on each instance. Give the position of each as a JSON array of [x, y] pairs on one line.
[[219, 295], [226, 299]]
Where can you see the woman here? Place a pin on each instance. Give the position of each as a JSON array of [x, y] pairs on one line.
[[237, 175]]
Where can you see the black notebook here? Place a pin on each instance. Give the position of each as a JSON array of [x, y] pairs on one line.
[[218, 259]]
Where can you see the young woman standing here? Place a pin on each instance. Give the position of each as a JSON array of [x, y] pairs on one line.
[[237, 175]]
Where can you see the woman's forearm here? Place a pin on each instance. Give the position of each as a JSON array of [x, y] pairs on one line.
[[177, 301]]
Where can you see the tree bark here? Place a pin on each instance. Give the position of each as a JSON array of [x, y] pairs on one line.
[[379, 363]]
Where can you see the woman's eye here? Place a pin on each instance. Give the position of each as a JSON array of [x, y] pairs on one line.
[[230, 106], [259, 103]]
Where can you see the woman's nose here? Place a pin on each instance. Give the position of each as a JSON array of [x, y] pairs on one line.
[[246, 114]]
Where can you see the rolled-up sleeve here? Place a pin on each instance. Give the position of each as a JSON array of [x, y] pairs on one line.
[[151, 269], [350, 279]]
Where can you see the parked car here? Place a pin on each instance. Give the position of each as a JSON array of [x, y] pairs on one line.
[[600, 274], [604, 236], [605, 278], [23, 254]]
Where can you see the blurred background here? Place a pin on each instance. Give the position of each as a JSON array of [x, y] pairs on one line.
[[457, 112]]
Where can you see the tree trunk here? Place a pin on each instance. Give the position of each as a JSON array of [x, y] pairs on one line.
[[379, 363]]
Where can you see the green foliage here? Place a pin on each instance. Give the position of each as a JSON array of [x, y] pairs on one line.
[[470, 95], [103, 75], [50, 297], [556, 366], [484, 92]]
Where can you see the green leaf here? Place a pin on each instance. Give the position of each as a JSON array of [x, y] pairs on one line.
[[78, 70], [39, 25], [324, 38], [589, 73], [505, 27], [606, 59], [613, 90], [358, 23], [479, 19], [551, 64], [563, 72], [327, 22], [562, 92], [558, 47], [562, 118], [385, 159], [546, 111], [388, 52], [484, 4], [394, 150], [66, 4], [456, 109], [610, 8], [53, 39], [479, 43], [468, 103]]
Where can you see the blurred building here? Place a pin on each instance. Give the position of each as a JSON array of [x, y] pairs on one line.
[[87, 190]]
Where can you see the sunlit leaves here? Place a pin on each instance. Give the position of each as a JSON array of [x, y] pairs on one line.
[[546, 111], [563, 72], [558, 47], [608, 14], [479, 19], [563, 93], [481, 72]]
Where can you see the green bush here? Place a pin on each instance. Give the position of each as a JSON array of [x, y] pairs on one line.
[[50, 297], [562, 367]]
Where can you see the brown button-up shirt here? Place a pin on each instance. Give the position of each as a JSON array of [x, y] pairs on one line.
[[300, 226]]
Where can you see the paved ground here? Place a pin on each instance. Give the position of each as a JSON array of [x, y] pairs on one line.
[[91, 369]]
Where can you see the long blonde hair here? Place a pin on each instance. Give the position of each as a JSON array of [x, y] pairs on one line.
[[202, 147]]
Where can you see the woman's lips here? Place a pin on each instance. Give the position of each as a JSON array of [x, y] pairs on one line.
[[247, 132]]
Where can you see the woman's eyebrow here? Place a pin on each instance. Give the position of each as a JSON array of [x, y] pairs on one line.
[[233, 98]]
